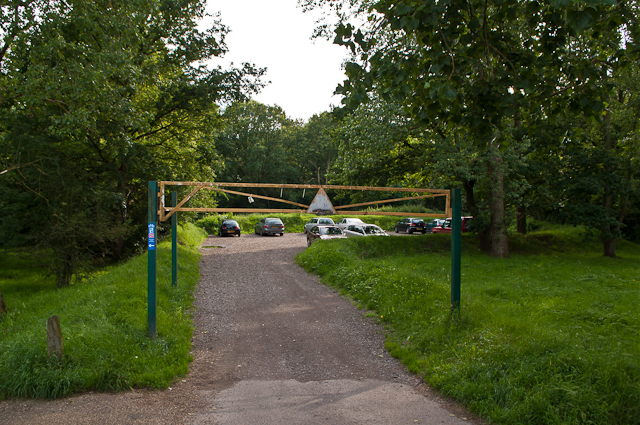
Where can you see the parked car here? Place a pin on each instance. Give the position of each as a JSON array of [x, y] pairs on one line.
[[446, 226], [347, 221], [269, 226], [315, 221], [433, 223], [324, 232], [410, 225], [354, 230], [229, 227]]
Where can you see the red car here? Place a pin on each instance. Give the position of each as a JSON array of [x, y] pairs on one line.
[[446, 226]]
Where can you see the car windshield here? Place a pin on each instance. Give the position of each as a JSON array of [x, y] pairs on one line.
[[417, 221], [330, 231], [273, 221], [325, 221], [373, 230], [230, 223]]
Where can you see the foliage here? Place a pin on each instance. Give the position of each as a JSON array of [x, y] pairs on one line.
[[104, 325], [549, 335], [95, 100], [311, 148], [261, 145], [494, 71]]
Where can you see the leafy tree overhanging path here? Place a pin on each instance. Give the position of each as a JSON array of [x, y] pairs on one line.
[[165, 212]]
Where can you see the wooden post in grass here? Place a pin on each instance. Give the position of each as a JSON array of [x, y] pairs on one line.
[[3, 306], [456, 251], [174, 241], [54, 337], [152, 292]]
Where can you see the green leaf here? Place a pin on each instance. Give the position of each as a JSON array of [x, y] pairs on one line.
[[581, 20]]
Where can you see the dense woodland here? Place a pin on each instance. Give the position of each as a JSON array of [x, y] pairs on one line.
[[531, 108]]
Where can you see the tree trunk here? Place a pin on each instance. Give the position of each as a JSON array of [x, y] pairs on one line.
[[609, 244], [3, 306], [483, 234], [521, 221], [610, 248], [65, 272], [499, 240]]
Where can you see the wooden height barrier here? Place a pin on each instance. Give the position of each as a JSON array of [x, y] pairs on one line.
[[158, 210]]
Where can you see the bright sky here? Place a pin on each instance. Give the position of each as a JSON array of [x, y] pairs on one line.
[[275, 34]]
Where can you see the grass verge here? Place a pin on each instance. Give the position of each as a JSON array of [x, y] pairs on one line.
[[104, 325], [548, 336]]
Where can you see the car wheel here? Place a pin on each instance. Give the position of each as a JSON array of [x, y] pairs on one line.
[[408, 230], [238, 234], [396, 229], [281, 234]]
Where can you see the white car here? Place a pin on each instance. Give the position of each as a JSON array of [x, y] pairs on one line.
[[317, 221], [346, 222], [355, 230]]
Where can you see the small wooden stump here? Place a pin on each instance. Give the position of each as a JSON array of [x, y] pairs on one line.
[[54, 337], [3, 307]]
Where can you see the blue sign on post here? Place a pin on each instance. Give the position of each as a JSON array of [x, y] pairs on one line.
[[152, 237]]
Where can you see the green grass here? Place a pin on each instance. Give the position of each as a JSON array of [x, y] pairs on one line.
[[293, 223], [549, 336], [104, 325]]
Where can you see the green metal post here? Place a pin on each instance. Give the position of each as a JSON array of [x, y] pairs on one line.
[[152, 292], [174, 241], [456, 251]]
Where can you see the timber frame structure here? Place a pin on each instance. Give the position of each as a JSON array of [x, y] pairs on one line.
[[165, 212], [157, 210]]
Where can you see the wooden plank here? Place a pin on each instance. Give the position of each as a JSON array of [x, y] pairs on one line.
[[241, 210], [177, 207], [292, 211], [307, 186], [257, 196], [384, 201]]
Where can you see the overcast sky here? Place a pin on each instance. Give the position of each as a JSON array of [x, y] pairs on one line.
[[276, 34]]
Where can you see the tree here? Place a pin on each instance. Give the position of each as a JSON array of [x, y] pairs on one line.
[[99, 98], [253, 147], [498, 69], [312, 149], [594, 165]]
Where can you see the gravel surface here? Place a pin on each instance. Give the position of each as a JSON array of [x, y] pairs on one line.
[[272, 345]]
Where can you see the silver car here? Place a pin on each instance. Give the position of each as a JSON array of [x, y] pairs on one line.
[[317, 221], [348, 221], [364, 230]]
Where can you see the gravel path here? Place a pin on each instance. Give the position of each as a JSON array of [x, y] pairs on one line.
[[272, 346]]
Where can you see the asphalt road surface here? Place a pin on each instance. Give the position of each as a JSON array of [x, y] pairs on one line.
[[272, 346]]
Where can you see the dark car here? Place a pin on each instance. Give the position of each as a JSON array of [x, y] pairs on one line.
[[446, 226], [324, 232], [269, 226], [229, 227], [433, 223], [411, 225]]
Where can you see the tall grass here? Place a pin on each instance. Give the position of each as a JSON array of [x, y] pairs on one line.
[[104, 326], [548, 336]]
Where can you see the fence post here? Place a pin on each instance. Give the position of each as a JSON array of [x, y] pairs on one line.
[[152, 291], [174, 241], [456, 252]]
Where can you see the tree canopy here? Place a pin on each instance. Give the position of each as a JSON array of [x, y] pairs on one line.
[[95, 99]]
